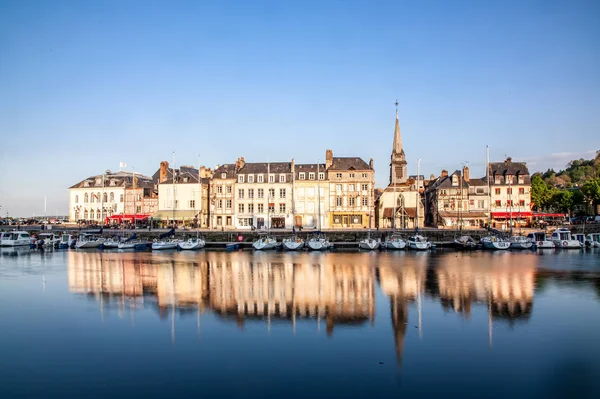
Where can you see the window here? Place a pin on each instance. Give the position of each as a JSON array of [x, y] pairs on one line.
[[497, 191], [112, 197], [282, 193], [321, 176], [260, 178], [241, 208], [241, 193], [228, 189], [271, 178], [250, 208], [92, 197], [219, 204], [228, 220], [521, 179], [350, 187], [321, 192], [92, 214], [498, 180], [223, 176], [228, 204], [176, 203], [281, 208], [138, 209], [310, 192], [105, 197], [86, 198], [219, 189], [351, 175], [261, 193], [481, 204], [508, 179], [364, 187], [351, 201], [240, 178], [121, 198], [301, 176], [509, 203], [471, 202], [77, 199], [338, 175], [521, 190], [480, 190], [338, 187], [442, 192], [311, 176], [509, 190], [192, 204], [271, 207], [250, 178], [521, 202], [261, 208], [281, 178], [337, 219], [338, 201], [220, 219], [364, 175], [365, 201], [498, 203], [250, 193], [271, 193]]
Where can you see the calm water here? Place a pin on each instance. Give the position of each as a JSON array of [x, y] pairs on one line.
[[180, 325]]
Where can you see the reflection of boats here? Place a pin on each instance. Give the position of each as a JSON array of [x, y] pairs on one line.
[[418, 242], [17, 239], [562, 239], [85, 241], [520, 242], [495, 242], [594, 240], [465, 242], [540, 240]]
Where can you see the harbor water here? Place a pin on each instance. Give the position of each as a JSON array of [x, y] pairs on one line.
[[99, 324]]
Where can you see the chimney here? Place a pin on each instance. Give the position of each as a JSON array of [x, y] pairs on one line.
[[432, 177], [163, 176], [328, 159], [508, 160], [444, 173], [371, 163], [466, 173], [239, 164]]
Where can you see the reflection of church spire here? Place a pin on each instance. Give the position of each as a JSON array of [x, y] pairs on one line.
[[399, 309]]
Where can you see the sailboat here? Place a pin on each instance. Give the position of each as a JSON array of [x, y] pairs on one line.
[[318, 241], [369, 243], [394, 241], [494, 242], [197, 242], [417, 241], [464, 241], [294, 242], [265, 241]]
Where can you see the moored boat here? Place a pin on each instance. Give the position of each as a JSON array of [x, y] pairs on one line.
[[418, 242], [465, 242], [67, 241], [5, 235], [540, 240], [369, 243], [582, 239], [318, 242], [495, 243], [394, 241], [520, 242], [111, 243], [47, 240], [292, 243], [17, 239], [191, 244], [594, 240], [562, 239], [87, 241], [264, 242]]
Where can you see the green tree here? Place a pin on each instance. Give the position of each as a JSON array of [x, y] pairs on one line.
[[591, 191], [540, 192], [562, 200]]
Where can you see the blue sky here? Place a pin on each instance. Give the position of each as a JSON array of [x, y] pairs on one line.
[[85, 85]]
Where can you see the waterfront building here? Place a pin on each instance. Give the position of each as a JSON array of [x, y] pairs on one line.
[[222, 199], [263, 195], [112, 196], [397, 204], [510, 193], [351, 192], [311, 196], [183, 195]]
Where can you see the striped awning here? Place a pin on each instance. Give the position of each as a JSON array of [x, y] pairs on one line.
[[175, 215]]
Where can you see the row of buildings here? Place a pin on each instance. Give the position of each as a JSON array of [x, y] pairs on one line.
[[337, 194]]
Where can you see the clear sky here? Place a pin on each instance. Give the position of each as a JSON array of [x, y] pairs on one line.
[[85, 85]]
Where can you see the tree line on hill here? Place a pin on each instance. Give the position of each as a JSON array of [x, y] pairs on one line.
[[574, 190]]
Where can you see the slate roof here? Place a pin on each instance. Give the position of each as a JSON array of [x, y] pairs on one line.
[[120, 179], [508, 168], [184, 173], [446, 182], [346, 163], [309, 167], [262, 167], [478, 182], [228, 168]]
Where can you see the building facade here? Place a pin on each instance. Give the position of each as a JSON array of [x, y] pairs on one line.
[[222, 200], [311, 196], [510, 192]]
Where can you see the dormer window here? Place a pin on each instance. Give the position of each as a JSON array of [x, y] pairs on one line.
[[302, 176], [281, 178], [113, 183], [86, 183], [271, 178], [454, 180], [311, 176], [321, 176], [508, 179], [250, 178], [185, 179], [223, 175], [240, 178], [260, 179], [98, 181], [521, 179]]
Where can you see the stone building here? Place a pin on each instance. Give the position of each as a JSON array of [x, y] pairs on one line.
[[510, 186], [311, 196], [222, 199]]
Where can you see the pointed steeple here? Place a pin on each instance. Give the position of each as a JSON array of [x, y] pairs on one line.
[[397, 135], [398, 159]]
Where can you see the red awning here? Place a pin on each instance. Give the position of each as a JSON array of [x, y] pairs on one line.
[[120, 218], [514, 215]]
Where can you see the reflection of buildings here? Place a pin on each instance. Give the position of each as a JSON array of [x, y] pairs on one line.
[[231, 284], [505, 283], [402, 284]]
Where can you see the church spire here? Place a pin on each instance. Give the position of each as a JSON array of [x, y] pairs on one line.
[[398, 159], [397, 136]]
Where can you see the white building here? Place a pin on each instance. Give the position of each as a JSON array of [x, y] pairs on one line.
[[310, 179]]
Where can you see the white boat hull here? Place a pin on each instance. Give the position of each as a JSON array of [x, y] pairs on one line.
[[318, 245], [111, 244], [521, 245], [567, 244], [88, 244], [264, 245], [496, 245], [16, 243], [419, 246], [161, 245], [368, 244], [544, 244], [191, 245], [127, 245], [395, 244], [293, 245]]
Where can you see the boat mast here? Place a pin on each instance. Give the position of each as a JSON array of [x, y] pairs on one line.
[[293, 199], [418, 197], [173, 174], [487, 177], [200, 198], [269, 196], [133, 185], [319, 195]]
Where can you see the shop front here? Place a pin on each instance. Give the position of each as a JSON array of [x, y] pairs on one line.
[[507, 220], [349, 220]]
